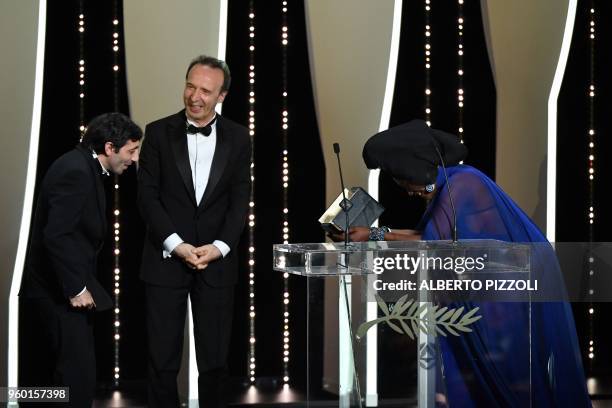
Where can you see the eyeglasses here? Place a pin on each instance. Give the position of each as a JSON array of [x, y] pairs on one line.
[[415, 190]]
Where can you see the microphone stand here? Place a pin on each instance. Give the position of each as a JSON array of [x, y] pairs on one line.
[[346, 204]]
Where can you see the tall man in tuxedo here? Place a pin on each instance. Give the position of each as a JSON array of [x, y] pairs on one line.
[[59, 284], [194, 186]]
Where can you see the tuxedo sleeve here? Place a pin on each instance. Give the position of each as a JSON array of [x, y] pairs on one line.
[[149, 171], [240, 191], [67, 197]]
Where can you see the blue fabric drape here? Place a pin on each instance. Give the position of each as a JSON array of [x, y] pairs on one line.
[[518, 355]]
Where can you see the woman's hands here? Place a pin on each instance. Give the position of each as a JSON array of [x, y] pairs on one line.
[[356, 234], [361, 234]]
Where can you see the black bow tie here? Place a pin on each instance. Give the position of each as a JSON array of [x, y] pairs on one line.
[[205, 130]]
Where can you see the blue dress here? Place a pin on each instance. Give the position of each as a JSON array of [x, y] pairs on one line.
[[497, 365]]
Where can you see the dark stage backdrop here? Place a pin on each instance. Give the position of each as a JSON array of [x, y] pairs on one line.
[[59, 133], [409, 99], [306, 182], [574, 119]]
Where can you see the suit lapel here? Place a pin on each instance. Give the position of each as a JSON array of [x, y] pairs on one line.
[[220, 158], [178, 141], [96, 170], [101, 202]]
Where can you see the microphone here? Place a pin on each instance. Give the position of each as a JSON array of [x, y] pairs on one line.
[[346, 204], [450, 195]]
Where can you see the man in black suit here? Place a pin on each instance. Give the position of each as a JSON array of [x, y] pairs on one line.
[[68, 230], [194, 186]]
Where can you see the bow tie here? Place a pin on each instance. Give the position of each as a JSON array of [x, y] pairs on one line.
[[205, 130]]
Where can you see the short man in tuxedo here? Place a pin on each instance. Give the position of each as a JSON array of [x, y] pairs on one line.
[[59, 284], [194, 186]]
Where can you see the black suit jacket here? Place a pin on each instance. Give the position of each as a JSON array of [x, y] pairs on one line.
[[68, 231], [166, 197]]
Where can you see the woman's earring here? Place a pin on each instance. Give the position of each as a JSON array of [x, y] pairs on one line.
[[430, 188]]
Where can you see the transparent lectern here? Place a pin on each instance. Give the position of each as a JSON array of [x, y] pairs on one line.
[[382, 317]]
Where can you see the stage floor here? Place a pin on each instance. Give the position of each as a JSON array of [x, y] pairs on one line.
[[134, 396]]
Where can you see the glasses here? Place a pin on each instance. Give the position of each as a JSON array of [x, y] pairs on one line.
[[415, 190]]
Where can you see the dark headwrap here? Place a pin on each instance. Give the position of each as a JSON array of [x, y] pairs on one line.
[[408, 152]]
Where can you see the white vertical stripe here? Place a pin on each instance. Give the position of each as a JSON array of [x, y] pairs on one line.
[[222, 38], [193, 366], [371, 308], [222, 29], [13, 329], [392, 66], [551, 171]]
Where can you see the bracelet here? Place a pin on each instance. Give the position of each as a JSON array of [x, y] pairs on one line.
[[378, 233]]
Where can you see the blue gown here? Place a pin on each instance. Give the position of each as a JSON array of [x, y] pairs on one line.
[[489, 367]]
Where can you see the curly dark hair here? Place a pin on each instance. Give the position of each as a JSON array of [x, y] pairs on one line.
[[111, 127]]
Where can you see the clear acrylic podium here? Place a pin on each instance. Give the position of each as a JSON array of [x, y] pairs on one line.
[[374, 338]]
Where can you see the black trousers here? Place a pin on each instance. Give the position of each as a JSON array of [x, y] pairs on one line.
[[212, 310], [62, 345]]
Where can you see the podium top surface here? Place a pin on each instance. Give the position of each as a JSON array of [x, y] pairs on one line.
[[333, 258], [399, 246]]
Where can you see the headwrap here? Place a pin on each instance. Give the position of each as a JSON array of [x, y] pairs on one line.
[[410, 152]]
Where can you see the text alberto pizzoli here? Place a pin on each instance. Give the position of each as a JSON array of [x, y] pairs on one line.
[[460, 265]]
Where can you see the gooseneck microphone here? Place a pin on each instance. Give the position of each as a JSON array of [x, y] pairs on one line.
[[450, 194], [346, 204]]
